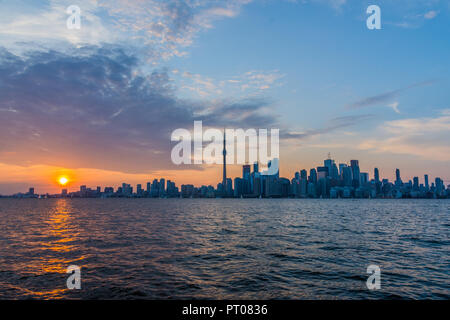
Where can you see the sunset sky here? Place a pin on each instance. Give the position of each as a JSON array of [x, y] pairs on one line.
[[99, 104]]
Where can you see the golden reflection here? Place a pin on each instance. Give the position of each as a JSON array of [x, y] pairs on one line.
[[58, 247]]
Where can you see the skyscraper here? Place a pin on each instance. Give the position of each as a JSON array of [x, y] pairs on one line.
[[427, 186], [354, 164], [256, 167], [313, 175], [304, 174], [416, 183], [246, 178], [224, 180], [376, 173], [246, 172], [398, 179]]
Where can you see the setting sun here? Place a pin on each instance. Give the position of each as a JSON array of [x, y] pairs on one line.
[[63, 180]]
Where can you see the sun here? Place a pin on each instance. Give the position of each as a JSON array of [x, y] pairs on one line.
[[63, 181]]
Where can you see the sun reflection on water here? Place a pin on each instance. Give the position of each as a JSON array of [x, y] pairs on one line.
[[59, 247]]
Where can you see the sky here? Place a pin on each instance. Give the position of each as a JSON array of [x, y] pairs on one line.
[[98, 104]]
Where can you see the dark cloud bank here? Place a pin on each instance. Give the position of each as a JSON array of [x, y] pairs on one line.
[[93, 109]]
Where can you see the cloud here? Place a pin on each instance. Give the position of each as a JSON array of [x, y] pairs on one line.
[[96, 109], [251, 83], [426, 138], [331, 126], [384, 98], [394, 106], [160, 29], [431, 14]]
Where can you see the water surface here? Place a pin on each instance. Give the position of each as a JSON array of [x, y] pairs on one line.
[[224, 248]]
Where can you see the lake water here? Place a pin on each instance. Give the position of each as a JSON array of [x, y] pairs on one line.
[[224, 248]]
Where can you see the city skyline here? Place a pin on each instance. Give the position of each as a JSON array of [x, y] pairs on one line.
[[234, 170], [99, 103], [340, 175]]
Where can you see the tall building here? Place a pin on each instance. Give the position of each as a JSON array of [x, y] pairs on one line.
[[238, 187], [354, 164], [416, 183], [398, 179], [304, 174], [256, 167], [363, 178], [224, 179], [376, 173], [246, 172], [313, 176], [332, 168], [347, 176], [246, 178], [322, 172], [341, 169], [427, 186]]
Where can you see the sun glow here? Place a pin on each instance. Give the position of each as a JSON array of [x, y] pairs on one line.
[[63, 181]]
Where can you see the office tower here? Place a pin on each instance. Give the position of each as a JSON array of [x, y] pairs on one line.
[[341, 170], [427, 186], [148, 188], [256, 167], [187, 190], [322, 172], [322, 186], [304, 174], [347, 176], [439, 186], [246, 178], [332, 168], [229, 187], [224, 179], [274, 186], [162, 187], [109, 190], [312, 193], [139, 190], [256, 184], [313, 176], [398, 179], [284, 186], [171, 189], [155, 188], [376, 174], [363, 178], [297, 176], [416, 183], [31, 191], [354, 164], [238, 187], [303, 187], [246, 172]]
